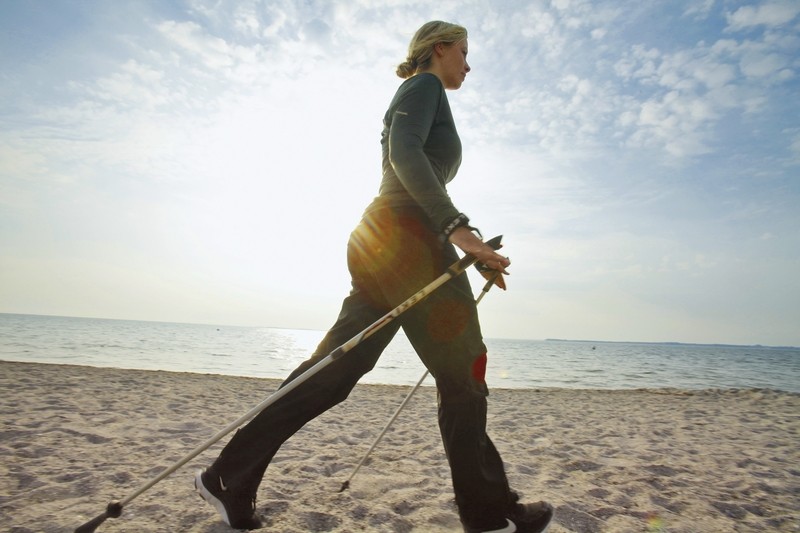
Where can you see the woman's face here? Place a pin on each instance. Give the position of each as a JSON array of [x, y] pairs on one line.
[[453, 66]]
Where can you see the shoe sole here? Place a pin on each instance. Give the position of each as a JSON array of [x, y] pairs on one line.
[[512, 527], [204, 493]]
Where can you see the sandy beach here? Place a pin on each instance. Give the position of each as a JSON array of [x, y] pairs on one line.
[[75, 438]]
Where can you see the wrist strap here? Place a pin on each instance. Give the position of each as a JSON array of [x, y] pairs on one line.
[[461, 220]]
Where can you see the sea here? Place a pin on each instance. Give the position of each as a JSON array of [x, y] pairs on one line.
[[274, 352]]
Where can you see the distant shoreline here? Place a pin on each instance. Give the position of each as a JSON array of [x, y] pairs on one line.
[[674, 343]]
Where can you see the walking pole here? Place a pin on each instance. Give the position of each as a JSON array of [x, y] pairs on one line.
[[115, 507], [346, 484]]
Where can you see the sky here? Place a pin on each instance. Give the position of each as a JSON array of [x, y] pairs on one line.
[[205, 161]]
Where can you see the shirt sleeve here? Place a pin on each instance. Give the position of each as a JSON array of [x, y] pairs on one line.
[[413, 116]]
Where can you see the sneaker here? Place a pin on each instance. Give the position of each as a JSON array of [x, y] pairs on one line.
[[236, 511], [524, 518], [531, 517]]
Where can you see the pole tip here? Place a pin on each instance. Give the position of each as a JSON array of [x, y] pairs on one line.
[[345, 486], [113, 510]]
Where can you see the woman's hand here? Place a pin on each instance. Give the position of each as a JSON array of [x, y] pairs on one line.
[[469, 243]]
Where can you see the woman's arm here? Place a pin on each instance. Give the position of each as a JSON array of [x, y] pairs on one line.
[[413, 116]]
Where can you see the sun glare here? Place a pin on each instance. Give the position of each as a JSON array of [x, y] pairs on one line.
[[279, 181]]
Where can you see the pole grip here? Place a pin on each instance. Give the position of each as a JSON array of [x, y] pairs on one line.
[[495, 242]]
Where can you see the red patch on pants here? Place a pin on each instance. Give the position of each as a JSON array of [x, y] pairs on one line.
[[479, 368]]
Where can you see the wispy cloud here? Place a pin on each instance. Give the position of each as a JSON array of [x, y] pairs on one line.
[[770, 14]]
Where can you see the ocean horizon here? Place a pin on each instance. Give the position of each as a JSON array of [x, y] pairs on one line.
[[266, 352]]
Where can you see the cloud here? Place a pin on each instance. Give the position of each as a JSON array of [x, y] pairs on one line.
[[563, 91], [214, 53], [699, 9], [795, 146], [770, 14], [691, 90], [762, 65]]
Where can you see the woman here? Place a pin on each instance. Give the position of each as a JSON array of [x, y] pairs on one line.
[[404, 240]]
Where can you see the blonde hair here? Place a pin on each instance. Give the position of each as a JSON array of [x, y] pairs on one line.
[[420, 50]]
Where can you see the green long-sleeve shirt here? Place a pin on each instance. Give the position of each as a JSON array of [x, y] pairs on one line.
[[421, 149]]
